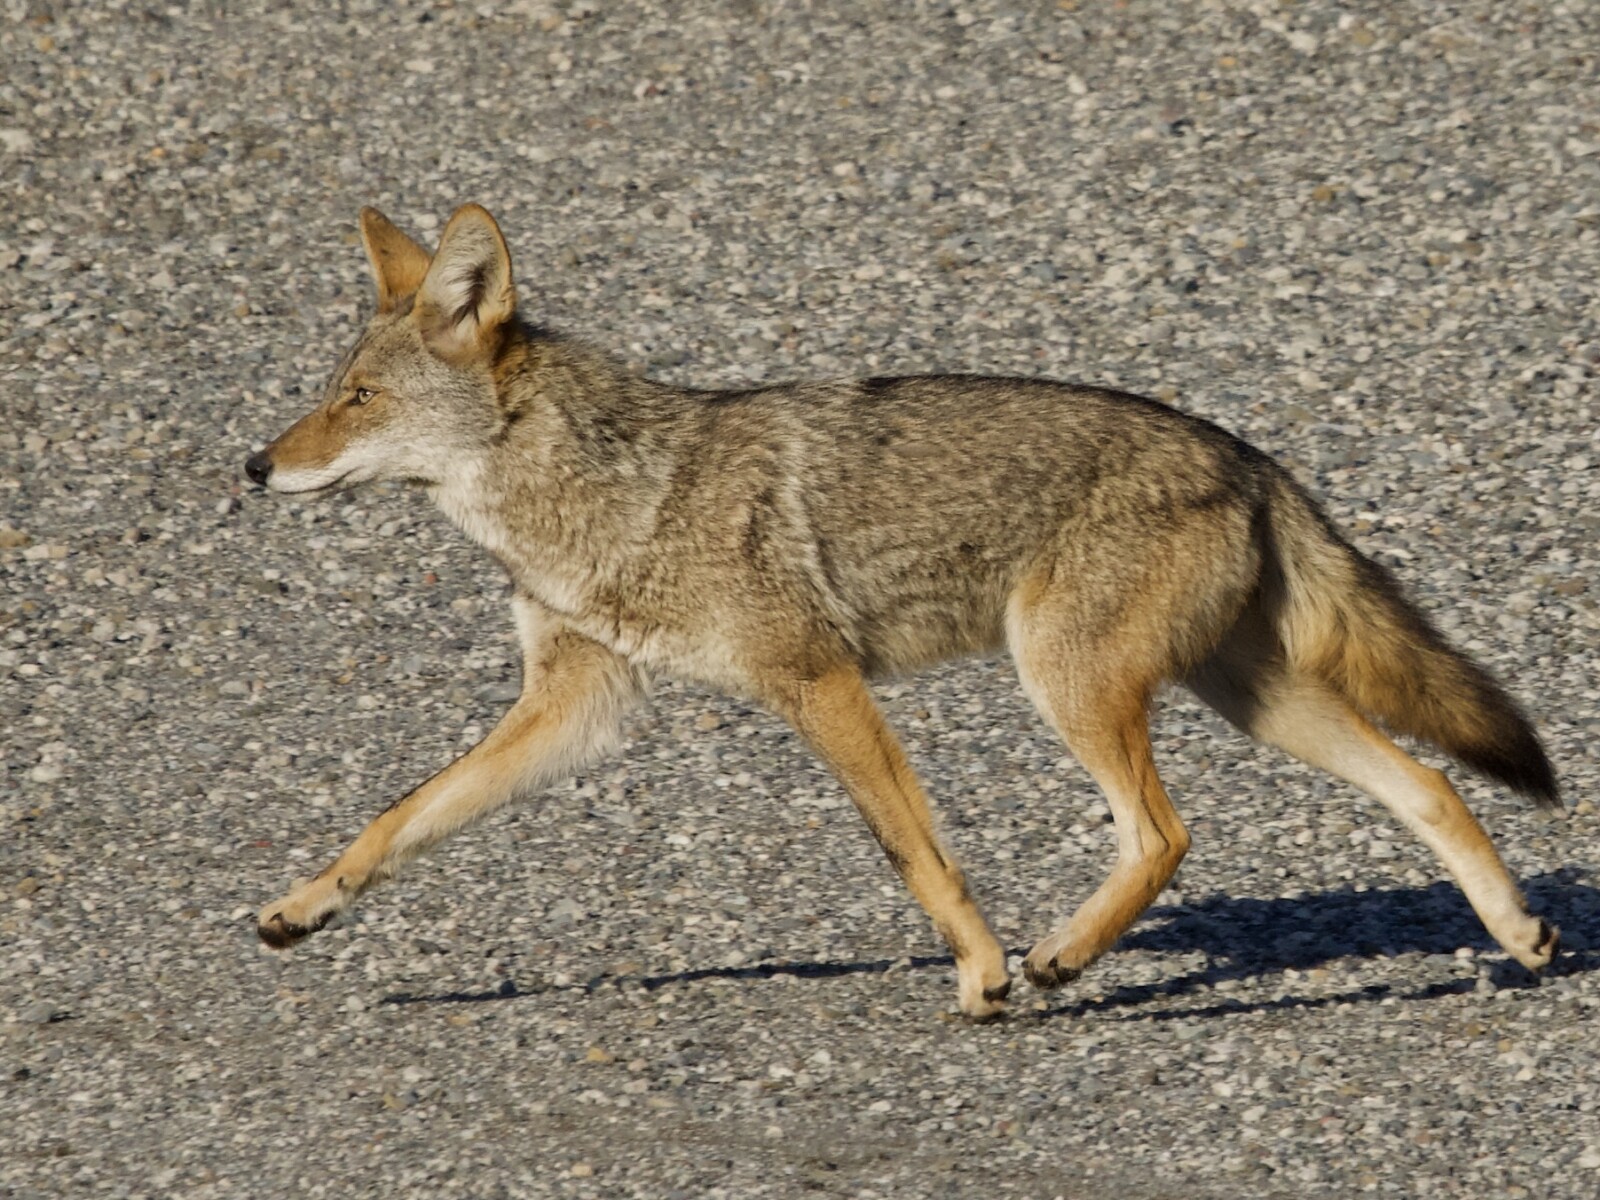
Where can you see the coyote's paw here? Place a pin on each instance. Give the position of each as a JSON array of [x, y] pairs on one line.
[[984, 986], [1054, 962], [1049, 973], [1536, 949], [305, 910]]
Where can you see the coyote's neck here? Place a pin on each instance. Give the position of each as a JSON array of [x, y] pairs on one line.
[[564, 534], [471, 504]]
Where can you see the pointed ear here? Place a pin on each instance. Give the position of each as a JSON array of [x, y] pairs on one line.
[[398, 263], [467, 297]]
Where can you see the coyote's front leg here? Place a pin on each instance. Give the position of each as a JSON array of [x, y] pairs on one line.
[[837, 716], [573, 697]]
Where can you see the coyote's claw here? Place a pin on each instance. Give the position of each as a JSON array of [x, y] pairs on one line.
[[984, 988]]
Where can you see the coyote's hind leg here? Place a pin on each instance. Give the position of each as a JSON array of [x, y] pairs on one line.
[[1113, 744], [1317, 726], [1099, 704]]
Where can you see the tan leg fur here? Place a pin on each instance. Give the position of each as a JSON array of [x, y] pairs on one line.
[[1107, 731], [574, 694], [836, 715]]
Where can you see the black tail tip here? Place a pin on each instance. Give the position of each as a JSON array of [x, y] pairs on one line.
[[1520, 763]]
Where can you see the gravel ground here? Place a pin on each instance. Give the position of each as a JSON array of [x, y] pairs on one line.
[[1364, 236]]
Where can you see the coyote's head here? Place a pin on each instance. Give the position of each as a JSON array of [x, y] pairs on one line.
[[415, 396]]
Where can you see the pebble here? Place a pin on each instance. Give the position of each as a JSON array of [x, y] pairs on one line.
[[39, 1012]]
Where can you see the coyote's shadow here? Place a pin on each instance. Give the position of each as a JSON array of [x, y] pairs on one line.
[[1244, 938], [1255, 936]]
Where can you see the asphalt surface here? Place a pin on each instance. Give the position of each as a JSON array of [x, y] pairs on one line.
[[1366, 237]]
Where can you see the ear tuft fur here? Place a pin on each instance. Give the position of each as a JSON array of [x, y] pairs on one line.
[[467, 297]]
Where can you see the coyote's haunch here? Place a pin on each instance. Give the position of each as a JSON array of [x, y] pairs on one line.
[[788, 543]]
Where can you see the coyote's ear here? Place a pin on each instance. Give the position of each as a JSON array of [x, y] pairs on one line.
[[467, 297], [398, 263]]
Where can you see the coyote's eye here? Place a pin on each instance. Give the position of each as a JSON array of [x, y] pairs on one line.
[[362, 395]]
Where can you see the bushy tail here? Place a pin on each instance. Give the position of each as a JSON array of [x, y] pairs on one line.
[[1344, 620]]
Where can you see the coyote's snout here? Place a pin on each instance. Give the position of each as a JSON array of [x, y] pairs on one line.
[[789, 543]]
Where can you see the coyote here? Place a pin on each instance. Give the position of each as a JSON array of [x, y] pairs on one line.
[[787, 544]]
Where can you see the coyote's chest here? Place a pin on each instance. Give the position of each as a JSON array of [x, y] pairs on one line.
[[626, 622], [595, 598]]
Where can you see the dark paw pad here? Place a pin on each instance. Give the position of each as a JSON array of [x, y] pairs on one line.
[[1051, 975], [281, 934]]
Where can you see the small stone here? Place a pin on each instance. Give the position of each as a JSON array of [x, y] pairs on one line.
[[40, 1012], [564, 913]]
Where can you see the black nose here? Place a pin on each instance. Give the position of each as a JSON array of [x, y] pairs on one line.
[[258, 466]]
